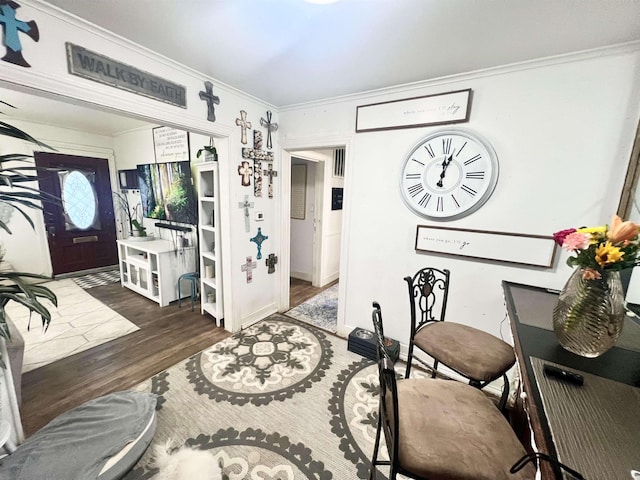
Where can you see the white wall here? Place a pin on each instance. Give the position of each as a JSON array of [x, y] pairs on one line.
[[48, 76], [332, 228], [302, 230], [562, 130]]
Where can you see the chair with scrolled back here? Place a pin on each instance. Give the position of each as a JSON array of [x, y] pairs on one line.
[[476, 355], [440, 429]]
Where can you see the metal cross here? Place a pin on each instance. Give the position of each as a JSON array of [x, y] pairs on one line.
[[270, 172], [246, 205], [271, 262], [244, 125], [208, 95], [245, 171], [257, 164], [12, 27], [258, 239], [271, 127], [248, 267]]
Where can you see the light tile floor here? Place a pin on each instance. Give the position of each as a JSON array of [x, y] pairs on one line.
[[78, 323]]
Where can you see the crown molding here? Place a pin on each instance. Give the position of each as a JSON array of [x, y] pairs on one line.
[[371, 95]]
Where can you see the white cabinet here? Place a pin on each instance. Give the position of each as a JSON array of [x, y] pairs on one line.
[[152, 268], [209, 242]]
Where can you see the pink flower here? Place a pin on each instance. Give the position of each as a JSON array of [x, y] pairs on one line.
[[576, 241], [562, 234], [591, 274]]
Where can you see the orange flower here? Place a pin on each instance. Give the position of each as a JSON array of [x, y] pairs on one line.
[[620, 231], [591, 274]]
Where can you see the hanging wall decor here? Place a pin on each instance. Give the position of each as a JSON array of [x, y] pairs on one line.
[[270, 126], [257, 164], [211, 99], [271, 262], [12, 27], [248, 267], [270, 172], [246, 205], [258, 239], [245, 171], [244, 125]]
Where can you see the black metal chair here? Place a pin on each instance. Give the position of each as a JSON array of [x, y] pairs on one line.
[[474, 354], [439, 429]]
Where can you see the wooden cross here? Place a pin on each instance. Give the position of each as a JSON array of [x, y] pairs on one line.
[[244, 125], [245, 171], [270, 172], [246, 205], [258, 239], [271, 262], [257, 164], [271, 127], [248, 267], [208, 95], [12, 27]]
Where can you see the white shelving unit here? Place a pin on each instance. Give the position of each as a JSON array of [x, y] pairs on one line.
[[152, 268], [209, 240]]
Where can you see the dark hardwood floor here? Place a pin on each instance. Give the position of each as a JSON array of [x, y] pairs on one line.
[[167, 336]]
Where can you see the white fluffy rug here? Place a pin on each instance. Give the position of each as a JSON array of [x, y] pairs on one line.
[[79, 323]]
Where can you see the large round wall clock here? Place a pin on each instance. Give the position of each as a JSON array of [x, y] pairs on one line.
[[449, 174]]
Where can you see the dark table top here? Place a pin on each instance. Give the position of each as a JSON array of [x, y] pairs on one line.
[[594, 428]]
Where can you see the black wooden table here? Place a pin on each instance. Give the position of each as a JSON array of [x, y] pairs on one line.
[[593, 428]]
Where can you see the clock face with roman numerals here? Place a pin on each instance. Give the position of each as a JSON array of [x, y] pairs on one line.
[[449, 174]]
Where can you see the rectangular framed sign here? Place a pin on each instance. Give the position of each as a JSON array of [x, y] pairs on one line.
[[438, 109], [170, 145], [533, 250]]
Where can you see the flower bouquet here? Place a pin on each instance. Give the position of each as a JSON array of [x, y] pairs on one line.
[[590, 311]]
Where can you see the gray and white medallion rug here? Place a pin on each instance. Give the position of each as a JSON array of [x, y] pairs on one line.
[[320, 310], [279, 400]]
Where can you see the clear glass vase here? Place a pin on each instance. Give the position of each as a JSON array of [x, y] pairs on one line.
[[589, 314]]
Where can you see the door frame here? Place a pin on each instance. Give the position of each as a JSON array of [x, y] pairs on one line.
[[288, 147]]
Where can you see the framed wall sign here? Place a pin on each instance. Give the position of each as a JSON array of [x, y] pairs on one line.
[[170, 145], [438, 109], [533, 250]]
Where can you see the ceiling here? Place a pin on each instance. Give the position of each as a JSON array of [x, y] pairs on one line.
[[289, 51]]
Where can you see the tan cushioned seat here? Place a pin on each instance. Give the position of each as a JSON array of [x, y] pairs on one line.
[[475, 354], [448, 430]]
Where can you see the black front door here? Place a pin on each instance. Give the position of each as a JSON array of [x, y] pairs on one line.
[[81, 232]]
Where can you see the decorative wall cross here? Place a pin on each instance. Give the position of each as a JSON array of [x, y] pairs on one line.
[[271, 262], [257, 164], [208, 95], [248, 267], [270, 172], [12, 27], [258, 239], [246, 205], [244, 125], [271, 127], [245, 171]]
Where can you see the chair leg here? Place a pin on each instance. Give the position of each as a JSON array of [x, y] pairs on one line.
[[435, 369], [409, 360], [179, 295], [374, 458], [193, 293]]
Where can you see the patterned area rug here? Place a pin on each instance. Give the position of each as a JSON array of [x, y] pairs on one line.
[[98, 279], [279, 400], [321, 310]]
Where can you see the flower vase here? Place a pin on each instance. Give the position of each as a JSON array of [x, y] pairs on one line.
[[589, 314]]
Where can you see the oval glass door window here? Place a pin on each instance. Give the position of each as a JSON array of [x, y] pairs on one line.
[[79, 199]]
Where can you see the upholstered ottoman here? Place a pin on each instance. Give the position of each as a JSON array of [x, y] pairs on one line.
[[101, 439]]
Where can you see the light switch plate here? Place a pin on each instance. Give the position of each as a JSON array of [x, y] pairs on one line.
[[259, 216]]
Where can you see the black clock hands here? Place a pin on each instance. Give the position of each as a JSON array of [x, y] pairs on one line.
[[445, 165]]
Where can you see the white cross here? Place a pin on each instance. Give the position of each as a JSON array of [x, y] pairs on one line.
[[244, 125], [246, 205], [248, 267]]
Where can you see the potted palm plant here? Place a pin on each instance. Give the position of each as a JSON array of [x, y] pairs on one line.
[[17, 173], [210, 152]]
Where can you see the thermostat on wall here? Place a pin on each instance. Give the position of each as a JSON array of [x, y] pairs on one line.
[[259, 216]]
